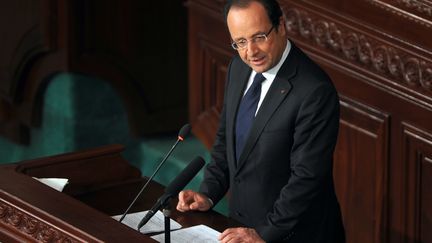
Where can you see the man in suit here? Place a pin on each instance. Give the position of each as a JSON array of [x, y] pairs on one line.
[[278, 163]]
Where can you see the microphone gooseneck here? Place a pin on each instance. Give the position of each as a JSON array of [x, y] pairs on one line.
[[183, 133]]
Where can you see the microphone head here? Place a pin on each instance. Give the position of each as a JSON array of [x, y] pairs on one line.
[[184, 132], [185, 176]]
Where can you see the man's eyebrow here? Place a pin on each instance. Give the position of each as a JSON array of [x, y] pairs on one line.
[[254, 35], [259, 33], [239, 39]]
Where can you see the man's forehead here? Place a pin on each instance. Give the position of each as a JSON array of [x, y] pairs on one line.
[[254, 11], [246, 22]]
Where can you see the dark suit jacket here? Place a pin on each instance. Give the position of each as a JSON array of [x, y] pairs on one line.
[[282, 184]]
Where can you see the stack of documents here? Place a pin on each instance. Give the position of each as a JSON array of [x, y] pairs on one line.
[[56, 183], [154, 225], [199, 233]]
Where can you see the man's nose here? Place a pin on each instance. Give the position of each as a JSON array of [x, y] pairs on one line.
[[252, 48]]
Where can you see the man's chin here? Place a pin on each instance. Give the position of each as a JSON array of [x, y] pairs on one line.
[[259, 69]]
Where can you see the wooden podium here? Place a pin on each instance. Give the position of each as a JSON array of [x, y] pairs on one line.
[[101, 184]]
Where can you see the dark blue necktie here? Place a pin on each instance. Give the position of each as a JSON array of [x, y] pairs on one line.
[[246, 112]]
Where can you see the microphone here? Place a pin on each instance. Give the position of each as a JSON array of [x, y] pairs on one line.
[[174, 188], [183, 133]]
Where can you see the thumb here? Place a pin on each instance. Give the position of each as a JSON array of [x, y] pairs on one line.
[[181, 196], [195, 206]]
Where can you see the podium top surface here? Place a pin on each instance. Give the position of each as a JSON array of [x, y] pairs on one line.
[[101, 184]]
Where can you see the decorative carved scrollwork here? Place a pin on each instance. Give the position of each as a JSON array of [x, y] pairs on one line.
[[365, 51], [419, 6], [418, 11], [31, 226]]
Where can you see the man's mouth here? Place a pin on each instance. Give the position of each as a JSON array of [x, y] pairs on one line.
[[257, 61]]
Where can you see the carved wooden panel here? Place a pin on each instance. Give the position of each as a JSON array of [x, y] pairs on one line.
[[207, 67], [416, 181], [25, 27], [119, 42], [210, 90], [21, 44], [360, 171], [141, 54]]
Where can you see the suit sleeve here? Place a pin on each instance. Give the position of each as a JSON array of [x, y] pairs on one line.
[[315, 135]]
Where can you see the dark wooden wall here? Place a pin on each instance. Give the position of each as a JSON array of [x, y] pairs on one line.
[[379, 55], [129, 44]]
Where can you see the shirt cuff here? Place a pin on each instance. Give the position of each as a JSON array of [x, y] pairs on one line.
[[210, 201]]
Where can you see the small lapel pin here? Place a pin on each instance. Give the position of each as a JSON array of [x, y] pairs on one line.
[[283, 91]]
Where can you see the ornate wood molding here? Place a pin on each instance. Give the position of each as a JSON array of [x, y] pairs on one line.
[[368, 52], [419, 11], [421, 6], [31, 226]]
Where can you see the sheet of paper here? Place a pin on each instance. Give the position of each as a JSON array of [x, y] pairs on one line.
[[56, 183], [155, 224], [199, 233]]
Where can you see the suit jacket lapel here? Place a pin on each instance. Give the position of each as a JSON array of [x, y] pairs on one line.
[[239, 80], [276, 94]]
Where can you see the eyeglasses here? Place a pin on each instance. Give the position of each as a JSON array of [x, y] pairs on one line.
[[242, 44]]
